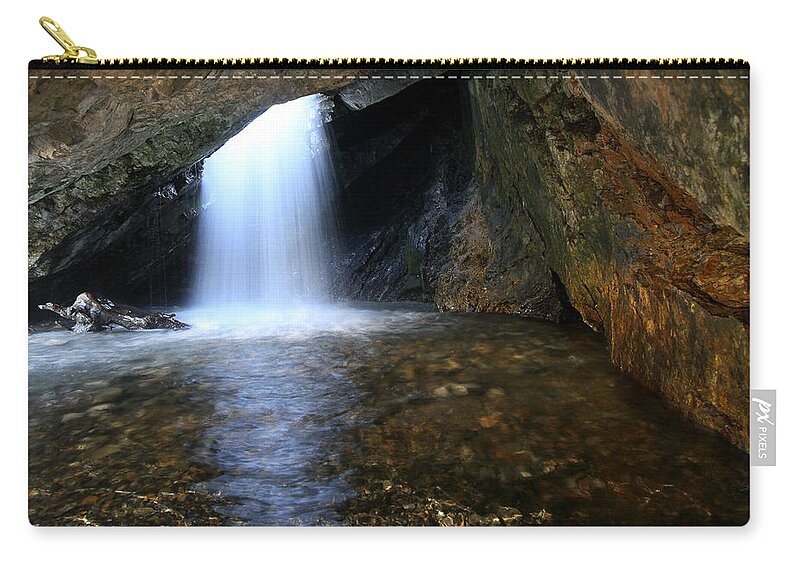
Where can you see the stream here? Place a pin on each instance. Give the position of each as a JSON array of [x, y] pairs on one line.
[[363, 414]]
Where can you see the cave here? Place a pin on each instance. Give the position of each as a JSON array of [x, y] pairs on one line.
[[394, 159], [569, 203]]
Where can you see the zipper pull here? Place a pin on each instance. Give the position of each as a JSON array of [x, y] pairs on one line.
[[72, 52]]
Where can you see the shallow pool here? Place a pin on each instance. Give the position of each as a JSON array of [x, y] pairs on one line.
[[362, 414]]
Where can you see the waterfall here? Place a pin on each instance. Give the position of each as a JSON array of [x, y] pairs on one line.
[[266, 225]]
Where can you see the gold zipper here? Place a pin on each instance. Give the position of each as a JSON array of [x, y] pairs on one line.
[[75, 55], [72, 52]]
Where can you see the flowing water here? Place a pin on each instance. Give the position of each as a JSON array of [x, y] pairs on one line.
[[267, 221], [369, 414]]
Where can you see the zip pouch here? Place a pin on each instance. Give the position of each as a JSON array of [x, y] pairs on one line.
[[382, 292]]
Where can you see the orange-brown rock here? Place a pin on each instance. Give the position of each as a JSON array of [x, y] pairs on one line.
[[635, 194]]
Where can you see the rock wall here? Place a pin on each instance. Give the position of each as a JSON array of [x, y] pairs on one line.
[[140, 249], [412, 221], [634, 196], [405, 173]]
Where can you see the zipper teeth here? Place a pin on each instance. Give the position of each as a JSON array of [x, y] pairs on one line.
[[364, 62]]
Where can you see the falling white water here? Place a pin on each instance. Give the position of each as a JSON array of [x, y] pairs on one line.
[[265, 229]]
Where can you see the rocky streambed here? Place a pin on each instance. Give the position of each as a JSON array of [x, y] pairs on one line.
[[364, 415]]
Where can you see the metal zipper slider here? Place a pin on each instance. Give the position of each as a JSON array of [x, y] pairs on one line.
[[72, 52]]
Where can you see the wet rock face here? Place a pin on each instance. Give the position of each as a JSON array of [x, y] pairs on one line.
[[405, 174], [413, 225], [699, 134], [141, 249], [635, 195]]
